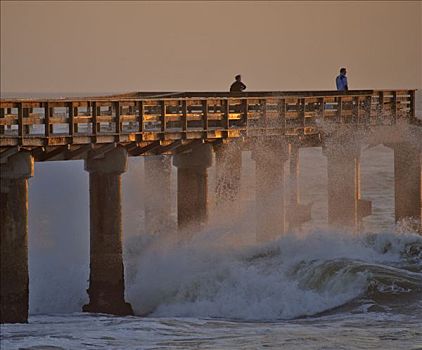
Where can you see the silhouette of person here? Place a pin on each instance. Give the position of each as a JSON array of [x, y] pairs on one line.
[[237, 86], [341, 80]]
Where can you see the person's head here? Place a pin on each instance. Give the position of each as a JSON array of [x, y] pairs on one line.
[[238, 77], [343, 71]]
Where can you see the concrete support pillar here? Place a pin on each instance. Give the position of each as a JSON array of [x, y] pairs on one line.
[[297, 213], [157, 183], [228, 161], [106, 278], [269, 158], [192, 185], [407, 178], [345, 207], [14, 286], [342, 189]]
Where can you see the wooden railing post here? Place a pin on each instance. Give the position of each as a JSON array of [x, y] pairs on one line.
[[301, 114], [94, 128], [117, 120], [71, 120], [226, 116], [244, 120], [355, 110], [163, 118], [8, 112], [380, 109], [184, 117], [140, 120], [321, 108], [412, 105], [368, 109], [282, 106], [394, 107], [339, 109], [47, 121], [205, 116], [21, 131], [1, 117], [26, 128]]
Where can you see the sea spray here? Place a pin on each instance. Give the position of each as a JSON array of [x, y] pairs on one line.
[[290, 277]]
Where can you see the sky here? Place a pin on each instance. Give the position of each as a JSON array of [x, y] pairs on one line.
[[97, 47]]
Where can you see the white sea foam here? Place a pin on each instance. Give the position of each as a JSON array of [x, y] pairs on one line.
[[273, 281]]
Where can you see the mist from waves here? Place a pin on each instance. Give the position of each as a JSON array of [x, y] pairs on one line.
[[221, 272]]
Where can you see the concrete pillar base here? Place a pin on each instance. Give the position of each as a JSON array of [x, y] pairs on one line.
[[228, 159], [297, 213], [157, 183], [116, 308], [345, 207], [106, 279], [408, 188], [192, 187], [270, 210], [14, 284], [364, 208]]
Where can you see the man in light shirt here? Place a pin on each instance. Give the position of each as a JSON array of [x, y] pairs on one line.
[[341, 80]]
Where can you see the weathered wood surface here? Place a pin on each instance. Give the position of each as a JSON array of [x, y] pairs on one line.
[[167, 122]]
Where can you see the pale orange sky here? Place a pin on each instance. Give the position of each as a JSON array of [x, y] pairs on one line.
[[50, 47]]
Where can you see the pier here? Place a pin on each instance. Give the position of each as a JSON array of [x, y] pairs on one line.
[[191, 130]]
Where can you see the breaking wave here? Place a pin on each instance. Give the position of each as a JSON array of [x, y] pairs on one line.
[[295, 276]]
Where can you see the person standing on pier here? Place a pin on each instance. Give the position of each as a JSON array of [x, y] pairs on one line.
[[237, 86], [341, 80]]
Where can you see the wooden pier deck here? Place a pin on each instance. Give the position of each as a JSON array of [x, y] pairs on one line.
[[168, 122]]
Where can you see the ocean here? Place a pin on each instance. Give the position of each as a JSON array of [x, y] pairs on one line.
[[313, 289]]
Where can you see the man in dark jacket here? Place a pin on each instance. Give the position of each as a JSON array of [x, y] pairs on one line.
[[237, 86]]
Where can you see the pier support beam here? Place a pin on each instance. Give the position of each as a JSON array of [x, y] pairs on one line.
[[228, 159], [106, 278], [297, 213], [345, 207], [407, 179], [157, 183], [14, 284], [269, 159], [192, 186]]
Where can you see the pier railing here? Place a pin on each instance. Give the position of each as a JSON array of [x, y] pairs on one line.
[[169, 117]]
